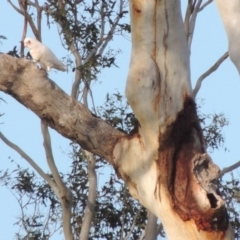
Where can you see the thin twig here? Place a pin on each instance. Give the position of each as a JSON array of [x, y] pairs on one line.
[[101, 38], [205, 5], [73, 48], [29, 160], [229, 169], [133, 223], [187, 18], [49, 155], [213, 68], [92, 192], [91, 200], [192, 22], [24, 7], [15, 7], [111, 31], [30, 21], [39, 20], [122, 226], [64, 194], [158, 230]]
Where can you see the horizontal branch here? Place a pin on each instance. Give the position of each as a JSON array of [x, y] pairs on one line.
[[30, 86]]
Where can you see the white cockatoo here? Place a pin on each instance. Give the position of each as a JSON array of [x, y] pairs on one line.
[[43, 55]]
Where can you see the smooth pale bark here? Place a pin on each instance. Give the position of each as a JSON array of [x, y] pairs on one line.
[[164, 163], [63, 193], [92, 196], [163, 160], [151, 227], [230, 14]]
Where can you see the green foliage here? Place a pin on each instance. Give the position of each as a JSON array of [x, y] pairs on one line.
[[90, 26], [33, 195], [115, 209], [116, 111], [212, 127], [230, 191]]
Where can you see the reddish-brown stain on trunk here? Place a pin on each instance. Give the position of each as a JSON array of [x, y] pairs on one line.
[[137, 7], [179, 146]]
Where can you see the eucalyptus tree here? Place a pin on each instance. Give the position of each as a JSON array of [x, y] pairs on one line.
[[163, 160]]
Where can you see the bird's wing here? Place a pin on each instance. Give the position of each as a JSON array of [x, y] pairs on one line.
[[36, 54], [50, 60]]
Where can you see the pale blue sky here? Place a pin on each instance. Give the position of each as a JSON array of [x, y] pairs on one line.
[[220, 92]]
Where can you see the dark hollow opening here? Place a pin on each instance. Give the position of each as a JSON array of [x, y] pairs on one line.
[[212, 200]]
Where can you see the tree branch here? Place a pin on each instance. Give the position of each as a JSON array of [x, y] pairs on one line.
[[192, 22], [111, 31], [23, 5], [133, 223], [229, 169], [64, 194], [71, 42], [92, 194], [213, 68], [39, 18], [151, 227], [30, 161], [205, 5], [49, 156], [30, 86], [29, 18], [92, 190], [159, 229]]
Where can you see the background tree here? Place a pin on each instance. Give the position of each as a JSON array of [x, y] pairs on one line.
[[61, 19]]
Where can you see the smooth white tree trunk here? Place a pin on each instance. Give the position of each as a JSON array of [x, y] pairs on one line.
[[168, 139]]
